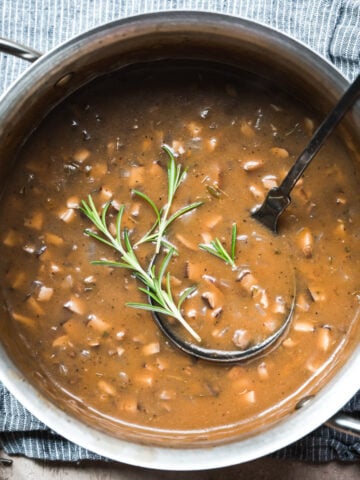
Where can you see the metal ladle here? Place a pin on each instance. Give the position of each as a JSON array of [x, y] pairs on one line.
[[277, 200]]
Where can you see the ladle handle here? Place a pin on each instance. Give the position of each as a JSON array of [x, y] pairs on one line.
[[18, 50], [319, 137]]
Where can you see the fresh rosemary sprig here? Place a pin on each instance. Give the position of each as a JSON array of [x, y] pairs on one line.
[[175, 177], [162, 297], [217, 248]]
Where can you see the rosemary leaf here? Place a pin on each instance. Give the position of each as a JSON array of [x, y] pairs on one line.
[[217, 249]]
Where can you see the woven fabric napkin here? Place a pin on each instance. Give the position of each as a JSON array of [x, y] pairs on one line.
[[331, 27]]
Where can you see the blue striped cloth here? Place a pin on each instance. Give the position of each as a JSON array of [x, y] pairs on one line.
[[331, 27]]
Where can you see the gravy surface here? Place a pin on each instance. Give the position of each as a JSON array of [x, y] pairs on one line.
[[237, 139]]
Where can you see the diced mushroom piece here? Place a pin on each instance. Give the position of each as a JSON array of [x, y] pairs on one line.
[[340, 229], [247, 130], [289, 343], [309, 125], [212, 221], [241, 338], [178, 147], [279, 305], [128, 404], [263, 371], [136, 176], [276, 108], [211, 144], [120, 335], [44, 293], [247, 280], [99, 169], [323, 339], [120, 351], [341, 200], [190, 312], [115, 204], [62, 342], [161, 363], [106, 194], [252, 165], [81, 155], [75, 305], [68, 282], [135, 209], [219, 332], [299, 183], [206, 237], [151, 348], [236, 372], [240, 384], [213, 296], [145, 379], [257, 193], [302, 303], [209, 299], [194, 129], [271, 324], [12, 239], [269, 181], [175, 281], [214, 190], [29, 322], [35, 221], [303, 326], [107, 388], [186, 242], [73, 202], [279, 152], [314, 364], [140, 338], [260, 296], [97, 323], [306, 242], [112, 228], [53, 239], [67, 215], [156, 171], [216, 313], [317, 293], [249, 396], [29, 248], [302, 195], [91, 279], [167, 394], [146, 144], [35, 307], [193, 271], [124, 377]]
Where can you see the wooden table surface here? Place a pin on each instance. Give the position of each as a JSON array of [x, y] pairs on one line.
[[262, 469]]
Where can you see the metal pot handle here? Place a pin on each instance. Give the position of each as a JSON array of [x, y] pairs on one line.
[[13, 48], [345, 424]]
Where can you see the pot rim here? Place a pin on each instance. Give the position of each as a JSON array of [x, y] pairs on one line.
[[341, 387]]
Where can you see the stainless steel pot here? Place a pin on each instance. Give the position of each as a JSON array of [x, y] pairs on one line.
[[142, 39]]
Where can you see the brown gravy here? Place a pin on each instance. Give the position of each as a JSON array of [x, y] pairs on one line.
[[237, 139]]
